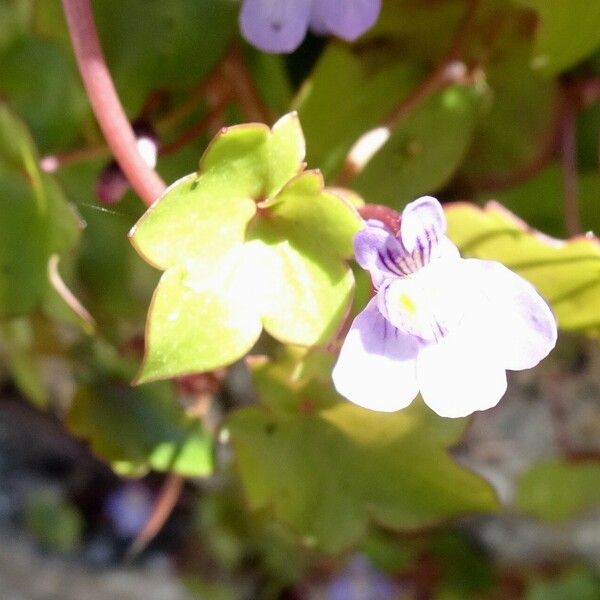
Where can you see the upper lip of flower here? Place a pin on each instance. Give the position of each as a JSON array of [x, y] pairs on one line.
[[447, 326]]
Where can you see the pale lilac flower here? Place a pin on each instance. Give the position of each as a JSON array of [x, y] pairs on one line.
[[439, 324], [280, 25]]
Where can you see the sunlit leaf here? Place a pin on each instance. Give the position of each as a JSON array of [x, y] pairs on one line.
[[567, 273], [246, 242]]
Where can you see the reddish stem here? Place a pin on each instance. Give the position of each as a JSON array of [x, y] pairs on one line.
[[105, 102], [568, 146]]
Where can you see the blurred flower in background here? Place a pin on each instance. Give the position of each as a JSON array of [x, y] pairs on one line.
[[128, 507], [280, 25], [359, 581]]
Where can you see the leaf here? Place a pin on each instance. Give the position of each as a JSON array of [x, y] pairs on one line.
[[152, 44], [21, 361], [567, 273], [30, 202], [331, 126], [557, 490], [327, 467], [574, 584], [53, 522], [242, 243], [568, 32], [518, 120], [50, 97], [139, 429], [423, 151], [539, 201]]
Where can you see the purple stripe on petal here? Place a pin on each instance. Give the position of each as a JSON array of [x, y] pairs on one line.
[[275, 25], [347, 19], [376, 365], [423, 226], [379, 252]]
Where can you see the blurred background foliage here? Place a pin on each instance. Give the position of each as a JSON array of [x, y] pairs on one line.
[[261, 482]]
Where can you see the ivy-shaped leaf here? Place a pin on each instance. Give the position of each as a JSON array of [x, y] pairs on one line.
[[327, 467], [566, 273], [249, 241]]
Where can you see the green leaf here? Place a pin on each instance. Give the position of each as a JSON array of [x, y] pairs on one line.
[[327, 467], [569, 31], [50, 98], [19, 357], [54, 523], [557, 490], [423, 151], [540, 200], [30, 202], [14, 17], [246, 242], [518, 120], [575, 584], [331, 126], [567, 273], [139, 429], [152, 44]]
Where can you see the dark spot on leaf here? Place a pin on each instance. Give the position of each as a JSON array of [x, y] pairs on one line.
[[270, 428]]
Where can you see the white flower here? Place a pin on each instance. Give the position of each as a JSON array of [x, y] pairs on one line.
[[439, 324]]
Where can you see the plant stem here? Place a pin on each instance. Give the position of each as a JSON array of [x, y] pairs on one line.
[[105, 101], [568, 146]]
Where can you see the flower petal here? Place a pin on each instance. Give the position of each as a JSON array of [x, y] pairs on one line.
[[457, 377], [376, 365], [275, 25], [347, 19], [520, 324], [378, 251], [422, 227]]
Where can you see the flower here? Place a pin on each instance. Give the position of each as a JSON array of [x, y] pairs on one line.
[[439, 324], [280, 25]]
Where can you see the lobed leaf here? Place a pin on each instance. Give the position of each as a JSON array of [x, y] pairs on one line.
[[327, 467], [251, 240]]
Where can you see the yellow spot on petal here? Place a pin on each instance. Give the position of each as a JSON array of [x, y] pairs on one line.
[[407, 303]]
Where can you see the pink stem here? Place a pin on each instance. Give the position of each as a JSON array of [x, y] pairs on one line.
[[105, 102]]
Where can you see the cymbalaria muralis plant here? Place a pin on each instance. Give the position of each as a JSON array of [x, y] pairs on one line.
[[287, 290]]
